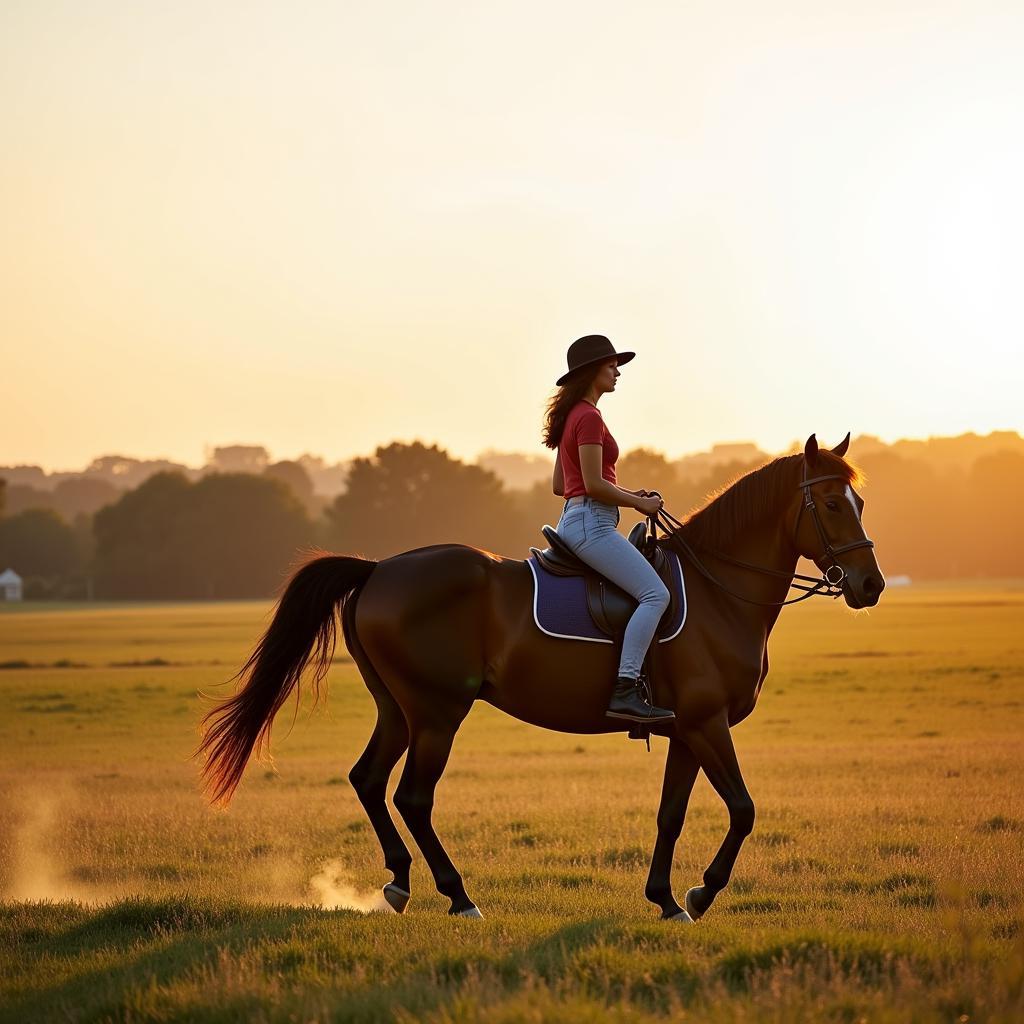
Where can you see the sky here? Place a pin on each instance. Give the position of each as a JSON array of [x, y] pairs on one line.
[[322, 227]]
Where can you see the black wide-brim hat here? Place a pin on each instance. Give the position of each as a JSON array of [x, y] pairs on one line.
[[591, 348]]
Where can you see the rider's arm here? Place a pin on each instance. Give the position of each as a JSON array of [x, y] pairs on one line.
[[596, 485], [558, 479]]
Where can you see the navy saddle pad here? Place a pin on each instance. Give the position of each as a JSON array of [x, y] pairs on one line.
[[560, 605]]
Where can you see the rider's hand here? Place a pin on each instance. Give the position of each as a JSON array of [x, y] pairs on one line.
[[649, 505]]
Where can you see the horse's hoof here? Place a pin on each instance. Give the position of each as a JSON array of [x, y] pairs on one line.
[[682, 917], [691, 908], [470, 911], [398, 899]]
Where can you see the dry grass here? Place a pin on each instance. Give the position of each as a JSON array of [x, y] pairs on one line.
[[883, 881]]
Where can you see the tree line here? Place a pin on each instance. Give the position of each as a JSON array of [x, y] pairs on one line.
[[236, 535]]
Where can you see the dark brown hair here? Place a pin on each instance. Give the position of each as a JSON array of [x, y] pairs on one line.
[[563, 400]]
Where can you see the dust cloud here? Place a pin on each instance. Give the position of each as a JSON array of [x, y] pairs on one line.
[[34, 872], [332, 892]]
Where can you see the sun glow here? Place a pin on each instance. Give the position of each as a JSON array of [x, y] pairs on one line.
[[359, 227]]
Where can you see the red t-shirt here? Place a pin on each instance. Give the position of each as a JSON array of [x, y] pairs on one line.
[[585, 425]]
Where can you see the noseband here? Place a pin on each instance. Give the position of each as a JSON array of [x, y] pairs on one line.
[[826, 586]]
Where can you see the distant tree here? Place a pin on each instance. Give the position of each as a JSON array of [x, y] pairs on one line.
[[37, 542], [242, 533], [936, 508], [29, 475], [990, 525], [239, 458], [911, 525], [409, 496], [695, 492], [83, 494], [140, 542], [125, 472], [327, 480], [295, 477], [122, 466], [22, 497], [228, 535], [515, 470], [82, 526], [532, 508], [649, 469]]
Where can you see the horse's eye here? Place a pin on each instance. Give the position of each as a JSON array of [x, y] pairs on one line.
[[831, 506]]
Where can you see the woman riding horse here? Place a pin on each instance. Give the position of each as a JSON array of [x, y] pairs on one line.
[[585, 475], [435, 629]]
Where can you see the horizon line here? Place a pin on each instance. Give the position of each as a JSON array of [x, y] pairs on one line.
[[50, 471]]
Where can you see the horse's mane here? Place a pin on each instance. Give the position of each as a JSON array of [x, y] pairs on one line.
[[735, 507]]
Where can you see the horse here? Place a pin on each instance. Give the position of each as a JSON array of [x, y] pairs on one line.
[[436, 628]]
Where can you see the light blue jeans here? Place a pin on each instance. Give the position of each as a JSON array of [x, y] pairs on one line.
[[589, 527]]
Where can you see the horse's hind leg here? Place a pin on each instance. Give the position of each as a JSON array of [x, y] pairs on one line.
[[370, 774], [369, 777], [429, 747]]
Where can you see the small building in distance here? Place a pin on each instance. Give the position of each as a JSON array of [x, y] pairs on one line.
[[10, 585], [897, 581]]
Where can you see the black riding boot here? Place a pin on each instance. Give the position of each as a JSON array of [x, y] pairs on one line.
[[628, 702]]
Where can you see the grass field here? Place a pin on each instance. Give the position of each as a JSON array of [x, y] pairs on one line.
[[883, 881]]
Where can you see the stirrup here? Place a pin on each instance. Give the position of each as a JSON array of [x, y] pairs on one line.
[[640, 732]]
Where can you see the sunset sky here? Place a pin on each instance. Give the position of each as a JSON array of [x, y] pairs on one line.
[[325, 226]]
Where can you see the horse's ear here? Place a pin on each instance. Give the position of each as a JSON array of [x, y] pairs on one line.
[[811, 450], [840, 449]]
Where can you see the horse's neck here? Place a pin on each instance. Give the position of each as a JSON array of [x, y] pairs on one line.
[[768, 546]]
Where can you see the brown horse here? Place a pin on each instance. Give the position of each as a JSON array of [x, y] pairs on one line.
[[436, 628]]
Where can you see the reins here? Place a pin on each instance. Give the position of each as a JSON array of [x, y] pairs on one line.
[[825, 587]]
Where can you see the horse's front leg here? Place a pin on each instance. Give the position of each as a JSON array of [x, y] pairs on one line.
[[680, 772], [711, 743]]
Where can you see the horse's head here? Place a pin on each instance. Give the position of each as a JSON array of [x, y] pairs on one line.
[[828, 526]]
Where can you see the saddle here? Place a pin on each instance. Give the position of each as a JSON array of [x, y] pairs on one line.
[[610, 606]]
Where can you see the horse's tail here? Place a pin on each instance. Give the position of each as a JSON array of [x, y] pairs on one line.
[[303, 627]]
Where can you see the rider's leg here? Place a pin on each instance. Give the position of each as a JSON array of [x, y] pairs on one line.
[[594, 537], [611, 554]]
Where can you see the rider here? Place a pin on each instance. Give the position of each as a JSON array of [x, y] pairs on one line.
[[585, 475]]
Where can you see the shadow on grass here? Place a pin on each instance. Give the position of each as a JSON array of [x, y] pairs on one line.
[[142, 959], [139, 959], [154, 942]]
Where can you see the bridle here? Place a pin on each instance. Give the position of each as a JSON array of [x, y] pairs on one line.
[[826, 586], [828, 551]]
